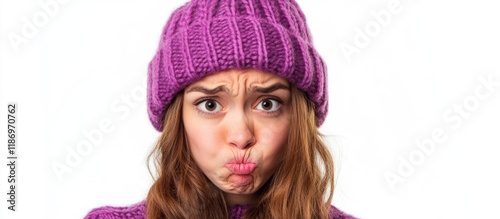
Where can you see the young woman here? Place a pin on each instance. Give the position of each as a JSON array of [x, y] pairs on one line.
[[238, 92]]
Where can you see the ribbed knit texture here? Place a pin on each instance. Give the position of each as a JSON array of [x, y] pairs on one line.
[[138, 211], [207, 36]]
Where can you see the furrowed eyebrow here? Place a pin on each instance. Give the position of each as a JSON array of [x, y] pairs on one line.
[[209, 91], [224, 89], [270, 89]]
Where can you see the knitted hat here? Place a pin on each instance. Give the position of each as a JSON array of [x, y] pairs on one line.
[[203, 37]]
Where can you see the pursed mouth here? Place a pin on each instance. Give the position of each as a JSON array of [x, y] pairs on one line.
[[241, 168]]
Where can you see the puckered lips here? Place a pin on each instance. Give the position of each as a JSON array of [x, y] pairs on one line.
[[241, 168]]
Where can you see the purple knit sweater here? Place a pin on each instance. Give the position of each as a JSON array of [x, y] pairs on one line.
[[138, 211]]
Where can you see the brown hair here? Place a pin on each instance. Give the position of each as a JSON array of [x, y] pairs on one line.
[[301, 187]]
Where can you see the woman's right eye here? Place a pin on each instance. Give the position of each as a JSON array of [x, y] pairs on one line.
[[209, 106]]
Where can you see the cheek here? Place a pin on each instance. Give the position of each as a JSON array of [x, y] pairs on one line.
[[273, 140], [204, 141]]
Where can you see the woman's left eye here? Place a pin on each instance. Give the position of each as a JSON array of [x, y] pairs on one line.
[[269, 105]]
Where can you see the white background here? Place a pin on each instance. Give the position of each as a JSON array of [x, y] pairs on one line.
[[80, 67]]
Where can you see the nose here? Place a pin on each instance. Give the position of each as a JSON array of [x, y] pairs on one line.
[[240, 132]]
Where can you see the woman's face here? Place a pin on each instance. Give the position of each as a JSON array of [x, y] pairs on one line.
[[237, 124]]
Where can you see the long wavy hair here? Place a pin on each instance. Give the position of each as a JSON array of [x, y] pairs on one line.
[[301, 187]]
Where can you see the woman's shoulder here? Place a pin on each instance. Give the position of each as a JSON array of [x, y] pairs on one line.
[[335, 213], [135, 211]]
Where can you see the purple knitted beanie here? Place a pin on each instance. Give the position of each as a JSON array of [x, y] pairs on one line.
[[207, 36]]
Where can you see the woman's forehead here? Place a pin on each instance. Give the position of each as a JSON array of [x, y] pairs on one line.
[[236, 79]]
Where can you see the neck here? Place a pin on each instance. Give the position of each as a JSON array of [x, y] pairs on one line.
[[239, 199]]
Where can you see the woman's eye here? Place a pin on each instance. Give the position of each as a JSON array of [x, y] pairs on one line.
[[209, 106], [268, 105]]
